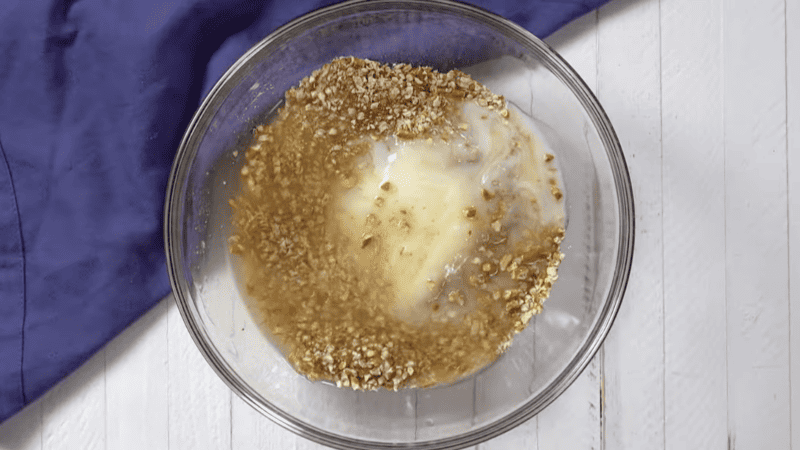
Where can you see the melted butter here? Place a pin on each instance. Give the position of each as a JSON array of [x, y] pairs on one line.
[[407, 212], [421, 226]]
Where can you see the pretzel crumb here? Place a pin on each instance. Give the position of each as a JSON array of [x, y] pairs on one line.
[[332, 320]]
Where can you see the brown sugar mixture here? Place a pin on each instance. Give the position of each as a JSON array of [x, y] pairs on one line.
[[393, 229]]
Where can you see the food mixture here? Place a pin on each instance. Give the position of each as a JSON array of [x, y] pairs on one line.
[[397, 226]]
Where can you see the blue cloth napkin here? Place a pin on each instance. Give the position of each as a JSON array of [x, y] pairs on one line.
[[94, 98]]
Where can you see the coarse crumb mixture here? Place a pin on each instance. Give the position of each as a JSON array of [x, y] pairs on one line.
[[333, 320]]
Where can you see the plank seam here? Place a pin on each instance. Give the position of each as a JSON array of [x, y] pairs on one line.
[[169, 378], [663, 259], [788, 203], [105, 399], [230, 419], [41, 425], [725, 229], [602, 398], [601, 352]]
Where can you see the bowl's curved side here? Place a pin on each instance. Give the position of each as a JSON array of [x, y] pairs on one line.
[[180, 274]]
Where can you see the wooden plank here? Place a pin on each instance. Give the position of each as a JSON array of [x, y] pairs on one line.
[[199, 402], [305, 444], [252, 431], [756, 223], [73, 412], [249, 428], [23, 431], [577, 44], [793, 159], [629, 77], [504, 383], [524, 437], [581, 404], [445, 410], [136, 388], [694, 225]]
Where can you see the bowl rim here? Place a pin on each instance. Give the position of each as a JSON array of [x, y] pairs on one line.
[[624, 251]]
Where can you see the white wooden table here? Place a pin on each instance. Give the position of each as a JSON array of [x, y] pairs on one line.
[[705, 97]]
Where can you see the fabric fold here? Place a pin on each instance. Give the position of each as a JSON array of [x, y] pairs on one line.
[[12, 295]]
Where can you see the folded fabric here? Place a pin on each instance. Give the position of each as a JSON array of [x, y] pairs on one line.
[[95, 98]]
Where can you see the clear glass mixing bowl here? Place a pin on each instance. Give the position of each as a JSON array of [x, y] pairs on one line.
[[543, 360]]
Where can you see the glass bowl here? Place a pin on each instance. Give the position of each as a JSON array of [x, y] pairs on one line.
[[543, 360]]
